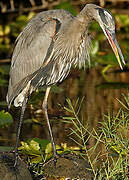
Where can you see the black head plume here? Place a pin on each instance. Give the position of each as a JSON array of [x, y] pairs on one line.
[[106, 16]]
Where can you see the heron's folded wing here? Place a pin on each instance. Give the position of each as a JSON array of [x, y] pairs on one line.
[[33, 47]]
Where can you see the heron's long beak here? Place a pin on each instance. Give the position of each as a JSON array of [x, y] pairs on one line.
[[115, 46]]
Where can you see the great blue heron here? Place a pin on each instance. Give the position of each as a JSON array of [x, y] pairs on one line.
[[46, 49]]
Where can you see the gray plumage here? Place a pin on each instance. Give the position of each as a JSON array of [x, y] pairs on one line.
[[32, 47]]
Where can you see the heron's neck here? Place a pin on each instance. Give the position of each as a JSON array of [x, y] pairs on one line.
[[75, 31], [85, 17]]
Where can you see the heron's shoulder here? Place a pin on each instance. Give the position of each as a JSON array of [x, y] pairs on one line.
[[59, 14]]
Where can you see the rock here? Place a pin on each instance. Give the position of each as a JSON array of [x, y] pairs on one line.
[[9, 172], [67, 168]]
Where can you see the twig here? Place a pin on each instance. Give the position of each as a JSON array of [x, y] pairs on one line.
[[5, 60]]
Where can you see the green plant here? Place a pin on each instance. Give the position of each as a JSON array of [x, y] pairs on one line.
[[5, 119], [113, 134], [81, 132]]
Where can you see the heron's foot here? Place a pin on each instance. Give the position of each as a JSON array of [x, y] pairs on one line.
[[14, 156], [16, 159], [57, 156], [15, 152]]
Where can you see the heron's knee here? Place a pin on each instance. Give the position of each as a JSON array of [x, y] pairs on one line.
[[44, 105]]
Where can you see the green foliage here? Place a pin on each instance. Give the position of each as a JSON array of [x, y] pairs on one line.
[[19, 24], [94, 48], [113, 135], [123, 20], [94, 25], [4, 70], [32, 148], [6, 148], [79, 130], [67, 6], [56, 89], [115, 130], [40, 150], [12, 29], [3, 82], [5, 119], [4, 40], [4, 30]]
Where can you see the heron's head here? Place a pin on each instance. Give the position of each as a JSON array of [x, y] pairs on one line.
[[107, 23]]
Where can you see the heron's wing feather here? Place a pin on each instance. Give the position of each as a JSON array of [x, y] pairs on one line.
[[33, 47]]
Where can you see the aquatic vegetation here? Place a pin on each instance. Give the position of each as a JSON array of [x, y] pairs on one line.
[[113, 136], [111, 162]]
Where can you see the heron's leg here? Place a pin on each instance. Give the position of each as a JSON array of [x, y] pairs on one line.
[[19, 126], [55, 154], [44, 106]]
